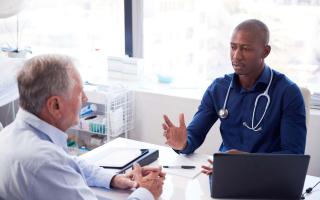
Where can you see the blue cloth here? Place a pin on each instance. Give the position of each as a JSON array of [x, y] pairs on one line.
[[35, 164], [283, 127]]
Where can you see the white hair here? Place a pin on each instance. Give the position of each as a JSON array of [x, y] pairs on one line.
[[42, 77]]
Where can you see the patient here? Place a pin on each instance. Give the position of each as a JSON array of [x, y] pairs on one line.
[[34, 161]]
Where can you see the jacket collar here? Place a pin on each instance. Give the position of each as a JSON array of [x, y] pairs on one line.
[[260, 84]]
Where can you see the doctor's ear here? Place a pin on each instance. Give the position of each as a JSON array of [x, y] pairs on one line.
[[266, 51]]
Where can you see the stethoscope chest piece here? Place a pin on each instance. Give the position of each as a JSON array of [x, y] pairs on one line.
[[223, 113]]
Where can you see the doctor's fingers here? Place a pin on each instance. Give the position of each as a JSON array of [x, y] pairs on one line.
[[172, 142], [170, 133], [206, 170], [165, 133], [165, 127], [206, 167], [182, 123], [167, 121]]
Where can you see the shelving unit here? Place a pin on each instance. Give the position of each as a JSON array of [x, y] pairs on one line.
[[114, 116]]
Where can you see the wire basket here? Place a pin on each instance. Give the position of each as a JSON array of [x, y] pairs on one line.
[[115, 111]]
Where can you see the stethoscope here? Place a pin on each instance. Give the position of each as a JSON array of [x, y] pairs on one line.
[[223, 112]]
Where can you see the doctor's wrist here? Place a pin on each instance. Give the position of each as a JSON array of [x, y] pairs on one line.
[[182, 149]]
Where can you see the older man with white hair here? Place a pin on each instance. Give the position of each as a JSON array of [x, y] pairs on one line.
[[34, 161]]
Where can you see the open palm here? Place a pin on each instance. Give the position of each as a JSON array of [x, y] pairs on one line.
[[176, 137]]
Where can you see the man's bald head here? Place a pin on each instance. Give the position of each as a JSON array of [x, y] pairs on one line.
[[256, 27]]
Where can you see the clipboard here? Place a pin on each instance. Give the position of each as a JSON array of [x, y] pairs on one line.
[[122, 159]]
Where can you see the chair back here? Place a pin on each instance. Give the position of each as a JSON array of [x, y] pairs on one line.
[[306, 98]]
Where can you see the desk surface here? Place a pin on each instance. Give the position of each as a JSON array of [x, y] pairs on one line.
[[175, 187]]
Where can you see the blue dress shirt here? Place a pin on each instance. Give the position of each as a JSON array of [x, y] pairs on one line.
[[35, 164], [283, 126]]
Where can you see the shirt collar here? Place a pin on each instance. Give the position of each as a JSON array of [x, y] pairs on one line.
[[261, 83], [57, 136]]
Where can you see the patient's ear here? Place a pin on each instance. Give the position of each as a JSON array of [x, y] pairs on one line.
[[54, 106]]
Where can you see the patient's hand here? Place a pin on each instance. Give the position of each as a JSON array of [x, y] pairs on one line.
[[148, 169], [150, 178], [123, 181]]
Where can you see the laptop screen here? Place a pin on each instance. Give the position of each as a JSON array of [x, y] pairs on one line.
[[271, 176]]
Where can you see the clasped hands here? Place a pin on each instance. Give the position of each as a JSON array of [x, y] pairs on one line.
[[147, 177]]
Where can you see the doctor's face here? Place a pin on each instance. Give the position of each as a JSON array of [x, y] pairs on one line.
[[247, 52]]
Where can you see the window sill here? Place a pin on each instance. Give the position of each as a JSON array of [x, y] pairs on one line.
[[180, 90]]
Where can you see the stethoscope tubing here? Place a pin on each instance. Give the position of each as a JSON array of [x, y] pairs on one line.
[[224, 111]]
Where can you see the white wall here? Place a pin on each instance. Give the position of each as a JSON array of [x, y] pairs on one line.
[[150, 108], [313, 142]]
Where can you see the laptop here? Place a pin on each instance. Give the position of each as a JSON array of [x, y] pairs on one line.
[[258, 176]]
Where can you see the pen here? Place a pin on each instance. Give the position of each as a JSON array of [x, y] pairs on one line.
[[180, 167]]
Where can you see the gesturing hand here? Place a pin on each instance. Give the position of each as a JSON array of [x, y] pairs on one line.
[[176, 137]]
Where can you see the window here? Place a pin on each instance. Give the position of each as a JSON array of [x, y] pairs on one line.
[[189, 39], [86, 29]]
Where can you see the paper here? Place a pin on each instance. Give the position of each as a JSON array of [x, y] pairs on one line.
[[188, 173]]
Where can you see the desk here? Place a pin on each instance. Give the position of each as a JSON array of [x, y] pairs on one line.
[[175, 187]]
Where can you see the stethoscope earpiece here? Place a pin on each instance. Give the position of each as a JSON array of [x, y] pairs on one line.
[[223, 112]]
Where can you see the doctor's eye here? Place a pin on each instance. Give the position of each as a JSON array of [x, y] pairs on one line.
[[246, 48]]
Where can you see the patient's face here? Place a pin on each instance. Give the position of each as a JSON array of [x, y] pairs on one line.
[[74, 102]]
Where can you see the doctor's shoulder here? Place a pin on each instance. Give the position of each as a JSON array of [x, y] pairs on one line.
[[284, 83], [221, 82]]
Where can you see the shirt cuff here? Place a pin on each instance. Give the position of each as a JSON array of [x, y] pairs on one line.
[[183, 151], [187, 149], [103, 178], [141, 194]]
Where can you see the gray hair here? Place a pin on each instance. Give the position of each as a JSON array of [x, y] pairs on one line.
[[256, 26], [42, 77]]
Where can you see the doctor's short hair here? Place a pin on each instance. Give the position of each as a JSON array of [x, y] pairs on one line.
[[256, 26], [44, 76]]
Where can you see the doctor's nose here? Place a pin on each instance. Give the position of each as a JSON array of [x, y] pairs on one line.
[[237, 55]]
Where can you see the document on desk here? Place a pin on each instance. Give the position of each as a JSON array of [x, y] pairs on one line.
[[182, 160], [119, 157]]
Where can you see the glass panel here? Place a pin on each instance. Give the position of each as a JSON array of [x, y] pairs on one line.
[[86, 29], [189, 39]]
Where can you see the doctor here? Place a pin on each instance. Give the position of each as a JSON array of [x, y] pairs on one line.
[[260, 109]]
